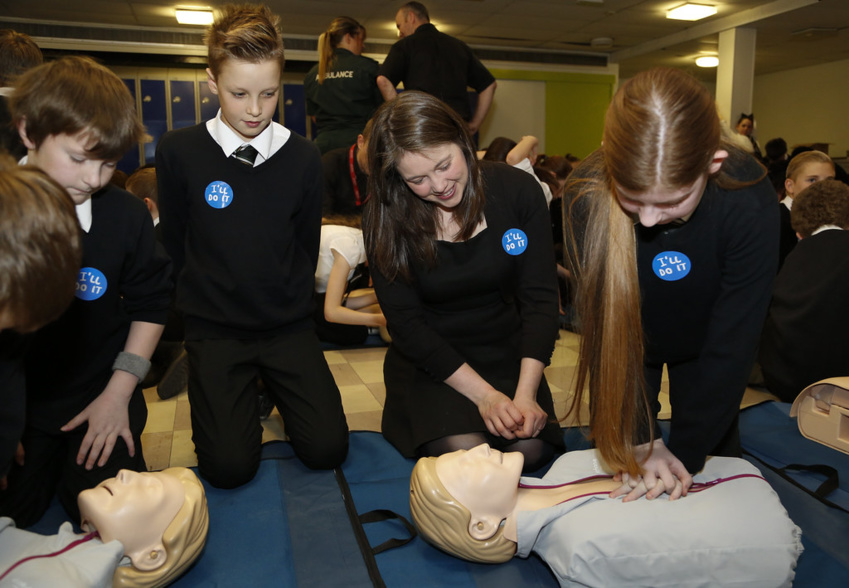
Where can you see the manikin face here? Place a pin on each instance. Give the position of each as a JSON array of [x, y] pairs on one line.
[[135, 509], [660, 205], [247, 93], [438, 175], [744, 127], [485, 481], [65, 159], [809, 173]]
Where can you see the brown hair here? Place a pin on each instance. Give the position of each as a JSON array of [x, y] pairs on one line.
[[330, 39], [142, 184], [40, 246], [18, 53], [400, 228], [822, 203], [247, 32], [661, 129], [75, 95]]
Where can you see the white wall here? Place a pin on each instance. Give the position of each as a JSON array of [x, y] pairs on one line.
[[518, 109], [805, 105]]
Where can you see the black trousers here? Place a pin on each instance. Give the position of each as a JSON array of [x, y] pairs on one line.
[[50, 467], [226, 427]]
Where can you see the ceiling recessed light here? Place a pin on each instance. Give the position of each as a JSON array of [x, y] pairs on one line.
[[691, 11], [707, 61], [194, 17]]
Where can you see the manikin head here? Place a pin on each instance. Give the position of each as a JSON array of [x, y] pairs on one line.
[[459, 500], [160, 518]]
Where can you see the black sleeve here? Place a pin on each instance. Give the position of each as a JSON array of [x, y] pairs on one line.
[[702, 417]]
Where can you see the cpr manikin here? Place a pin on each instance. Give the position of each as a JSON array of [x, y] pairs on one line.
[[730, 528], [157, 520]]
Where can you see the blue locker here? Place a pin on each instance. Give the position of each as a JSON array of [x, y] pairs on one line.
[[183, 112], [154, 114]]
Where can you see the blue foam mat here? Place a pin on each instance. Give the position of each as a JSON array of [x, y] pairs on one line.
[[289, 528]]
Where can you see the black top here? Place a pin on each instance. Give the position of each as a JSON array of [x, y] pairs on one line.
[[13, 395], [244, 239], [436, 63], [480, 305], [705, 288], [787, 236], [347, 98], [124, 278], [340, 196], [806, 334], [713, 313]]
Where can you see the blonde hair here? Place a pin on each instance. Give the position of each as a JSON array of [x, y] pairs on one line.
[[444, 523], [330, 39], [183, 539], [40, 246], [795, 166], [661, 129], [247, 32]]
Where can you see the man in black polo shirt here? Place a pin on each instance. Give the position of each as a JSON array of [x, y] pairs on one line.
[[436, 63]]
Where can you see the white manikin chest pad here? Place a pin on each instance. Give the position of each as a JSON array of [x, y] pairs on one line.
[[733, 533]]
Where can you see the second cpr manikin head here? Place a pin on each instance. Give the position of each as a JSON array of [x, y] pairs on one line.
[[134, 509]]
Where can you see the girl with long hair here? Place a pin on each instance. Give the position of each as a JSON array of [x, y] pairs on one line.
[[341, 89], [461, 258], [673, 239]]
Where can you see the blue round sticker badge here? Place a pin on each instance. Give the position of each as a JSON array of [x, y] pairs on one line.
[[219, 194], [671, 266], [514, 241], [91, 284]]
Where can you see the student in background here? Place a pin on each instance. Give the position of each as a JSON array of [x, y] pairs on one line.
[[346, 307], [804, 169], [804, 337], [240, 203], [85, 409], [18, 53]]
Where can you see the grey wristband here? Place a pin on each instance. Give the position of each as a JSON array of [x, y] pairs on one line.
[[132, 363]]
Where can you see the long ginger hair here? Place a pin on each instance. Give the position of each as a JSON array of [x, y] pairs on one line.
[[661, 130]]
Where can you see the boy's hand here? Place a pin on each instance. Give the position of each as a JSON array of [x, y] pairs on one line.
[[108, 419]]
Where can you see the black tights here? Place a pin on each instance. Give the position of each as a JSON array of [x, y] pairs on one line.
[[536, 451]]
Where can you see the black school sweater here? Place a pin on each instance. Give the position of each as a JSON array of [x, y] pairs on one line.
[[124, 278], [244, 240]]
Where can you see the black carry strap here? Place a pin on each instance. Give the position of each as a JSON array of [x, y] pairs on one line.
[[829, 485], [380, 514], [357, 521]]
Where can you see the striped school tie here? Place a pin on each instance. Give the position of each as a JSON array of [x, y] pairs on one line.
[[245, 154]]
